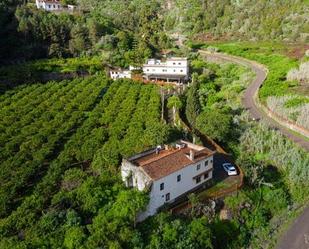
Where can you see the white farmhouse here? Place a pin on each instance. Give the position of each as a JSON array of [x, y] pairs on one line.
[[171, 70], [168, 173], [49, 5], [118, 73]]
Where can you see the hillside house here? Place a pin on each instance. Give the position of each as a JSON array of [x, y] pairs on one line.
[[118, 73], [49, 5], [174, 69], [168, 174]]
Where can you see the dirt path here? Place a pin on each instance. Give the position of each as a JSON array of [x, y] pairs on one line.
[[297, 237]]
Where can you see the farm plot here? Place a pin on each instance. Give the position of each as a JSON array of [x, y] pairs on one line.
[[83, 176]]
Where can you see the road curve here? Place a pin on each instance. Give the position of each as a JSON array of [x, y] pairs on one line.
[[297, 237], [252, 91]]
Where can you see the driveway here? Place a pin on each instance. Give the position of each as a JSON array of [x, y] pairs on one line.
[[221, 186], [297, 237]]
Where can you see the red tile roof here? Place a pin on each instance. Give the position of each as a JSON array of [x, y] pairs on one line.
[[166, 162]]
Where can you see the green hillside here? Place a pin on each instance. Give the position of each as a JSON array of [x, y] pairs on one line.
[[65, 126], [241, 19]]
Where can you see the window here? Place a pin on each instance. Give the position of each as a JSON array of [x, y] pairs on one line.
[[179, 63], [54, 6], [206, 163], [198, 167], [178, 178], [211, 161], [130, 180], [198, 179], [167, 197], [174, 63], [162, 186], [206, 175], [174, 70], [181, 70], [49, 6]]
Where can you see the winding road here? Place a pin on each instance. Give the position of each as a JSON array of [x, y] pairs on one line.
[[252, 91], [297, 237]]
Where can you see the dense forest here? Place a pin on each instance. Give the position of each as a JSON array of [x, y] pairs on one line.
[[241, 19], [120, 32], [125, 32]]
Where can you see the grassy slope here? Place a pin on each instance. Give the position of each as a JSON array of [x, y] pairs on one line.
[[272, 56]]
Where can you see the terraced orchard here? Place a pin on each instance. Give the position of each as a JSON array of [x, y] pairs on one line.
[[60, 148]]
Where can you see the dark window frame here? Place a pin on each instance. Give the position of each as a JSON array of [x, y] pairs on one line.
[[167, 197], [161, 186], [198, 167], [198, 179]]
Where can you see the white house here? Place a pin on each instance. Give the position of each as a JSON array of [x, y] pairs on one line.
[[173, 69], [49, 5], [168, 173], [118, 73]]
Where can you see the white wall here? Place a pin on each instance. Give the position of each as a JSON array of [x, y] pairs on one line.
[[170, 67], [120, 75], [38, 4], [52, 6], [49, 6], [176, 189], [173, 70], [140, 180]]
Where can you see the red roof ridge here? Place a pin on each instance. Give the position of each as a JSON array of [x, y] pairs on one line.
[[151, 160]]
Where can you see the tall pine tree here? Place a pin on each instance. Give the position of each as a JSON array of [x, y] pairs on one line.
[[193, 105]]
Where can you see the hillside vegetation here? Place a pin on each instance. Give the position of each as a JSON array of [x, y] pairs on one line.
[[60, 148], [277, 88], [62, 141], [128, 32], [275, 168], [241, 19], [120, 32]]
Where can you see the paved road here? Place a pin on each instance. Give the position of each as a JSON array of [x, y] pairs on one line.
[[248, 99], [297, 237]]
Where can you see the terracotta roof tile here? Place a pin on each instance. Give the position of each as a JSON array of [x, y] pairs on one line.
[[169, 161]]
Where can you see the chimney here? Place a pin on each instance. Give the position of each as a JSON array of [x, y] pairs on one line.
[[158, 148], [191, 155]]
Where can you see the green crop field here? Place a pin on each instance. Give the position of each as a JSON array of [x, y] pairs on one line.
[[60, 146]]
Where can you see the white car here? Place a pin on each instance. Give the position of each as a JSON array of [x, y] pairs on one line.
[[230, 169]]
